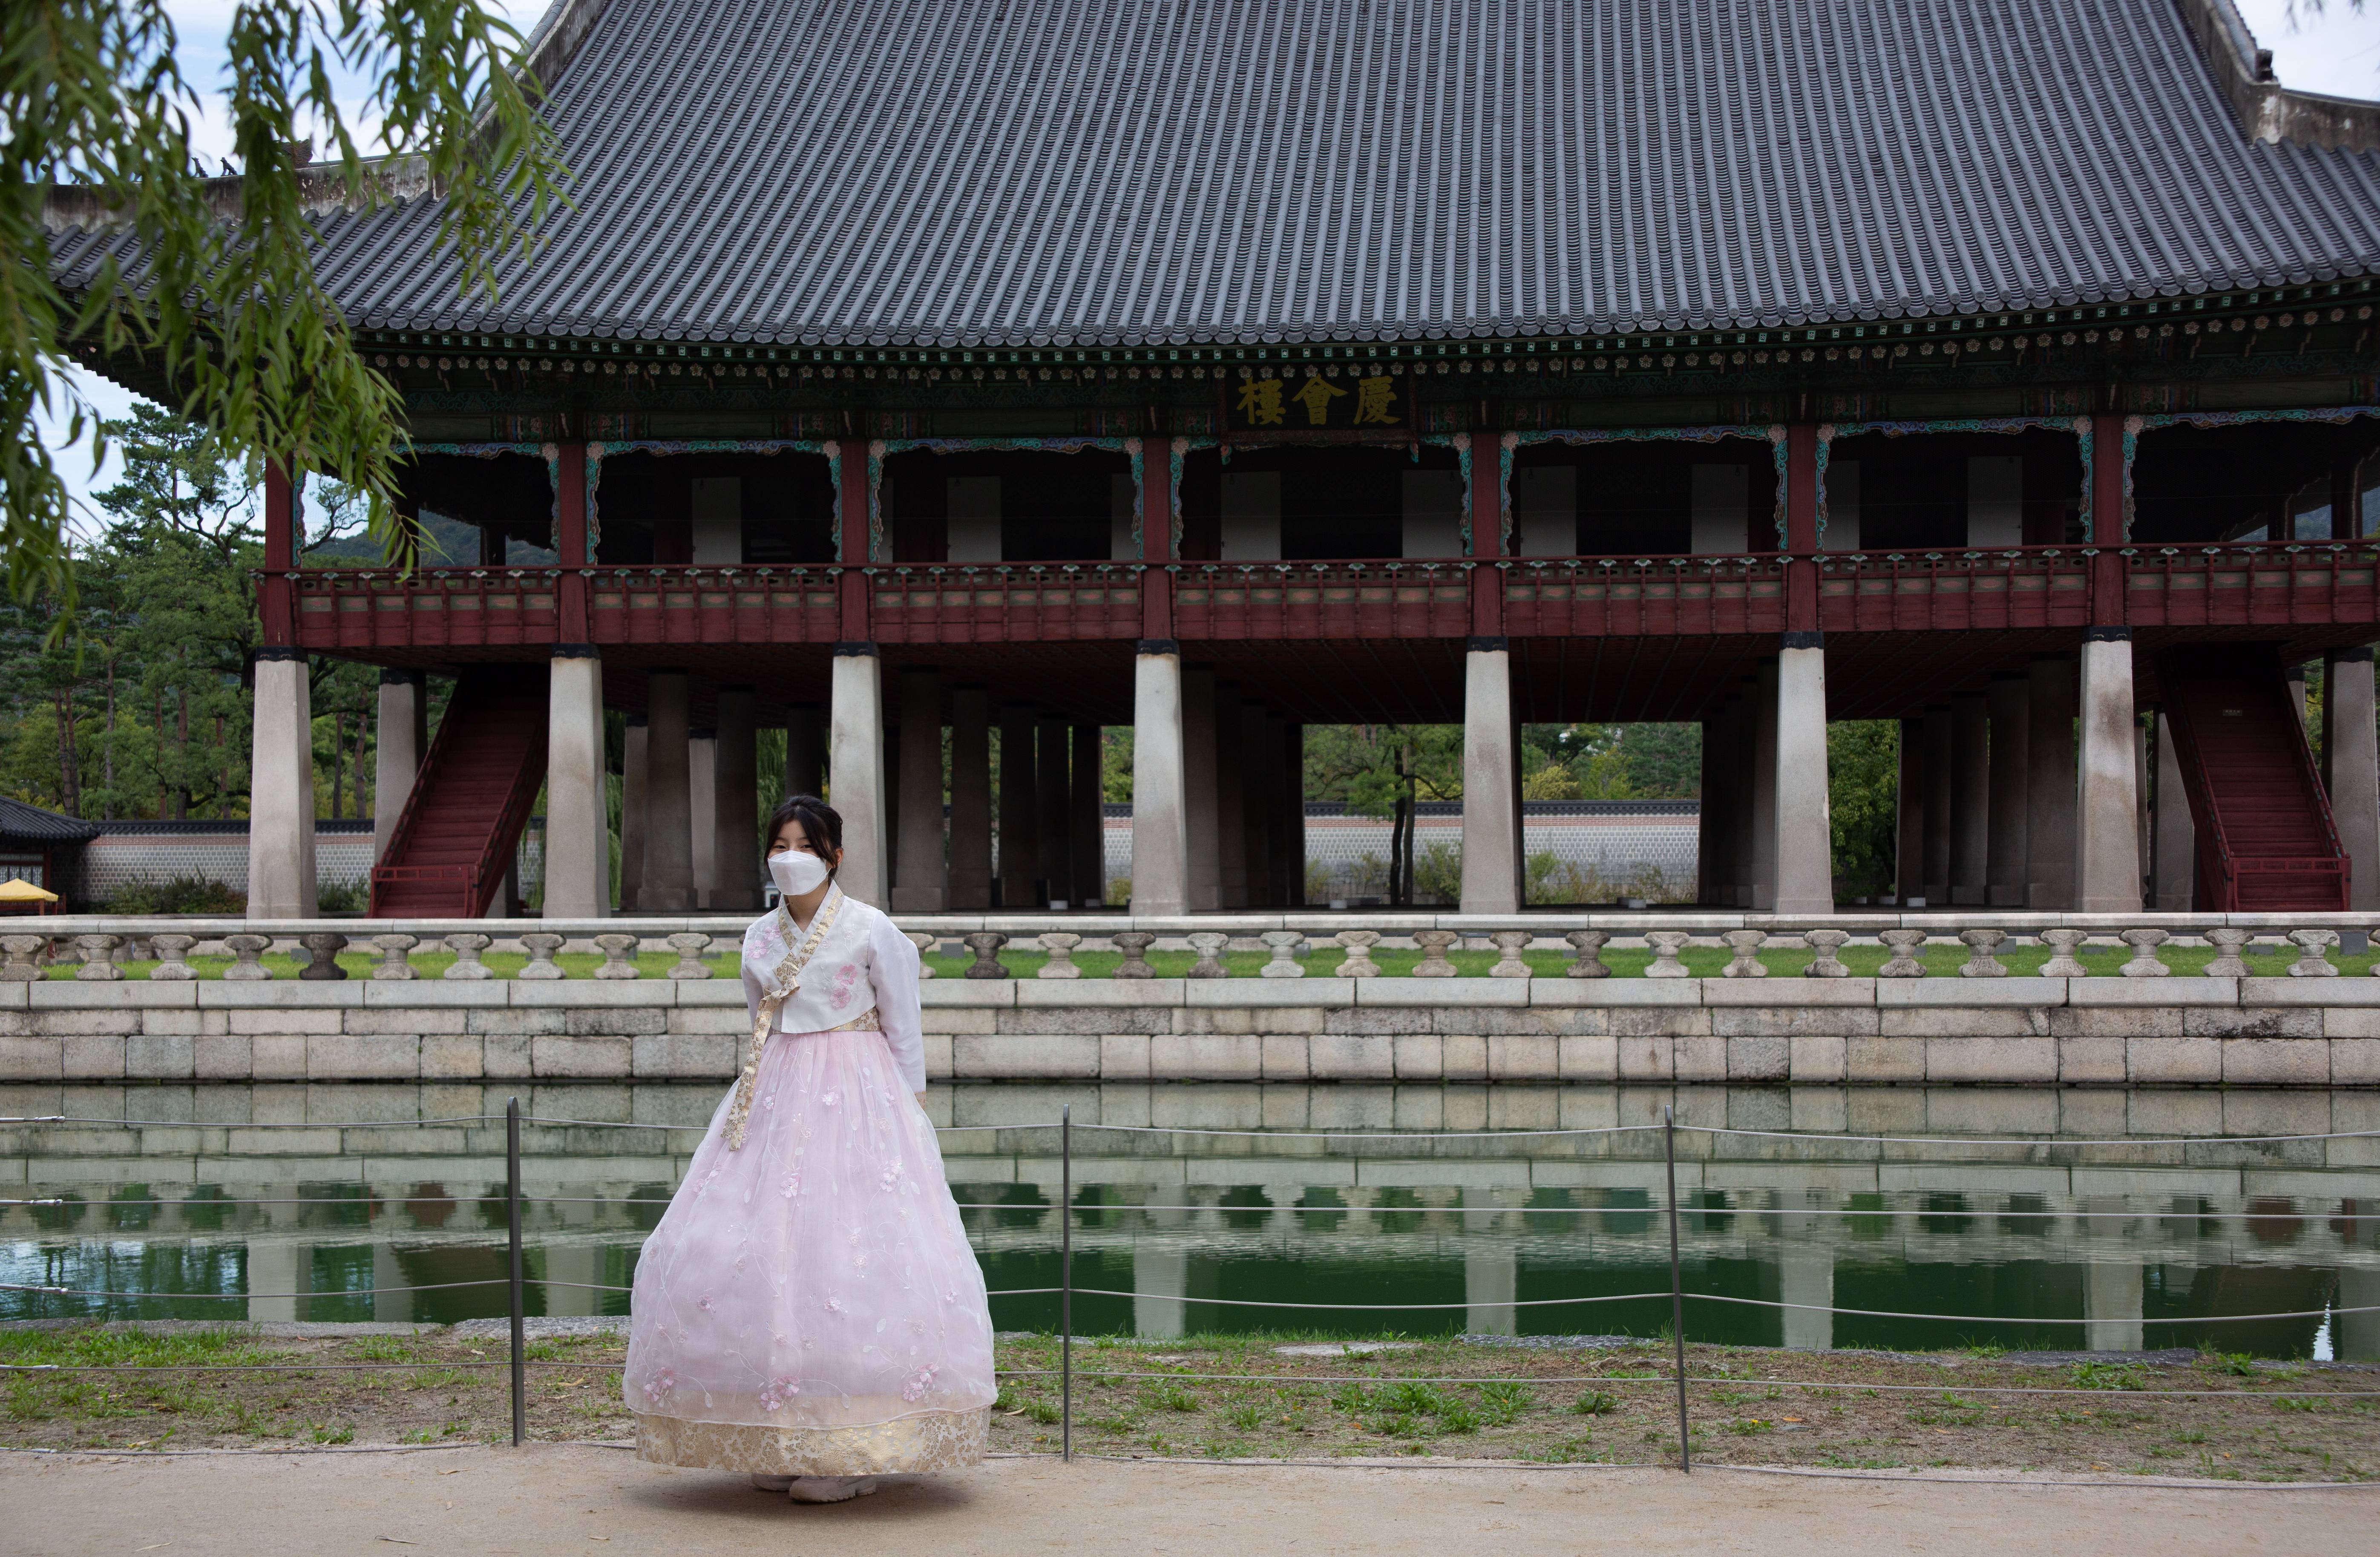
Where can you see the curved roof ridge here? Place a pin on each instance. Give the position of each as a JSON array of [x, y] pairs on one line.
[[2266, 109], [554, 40]]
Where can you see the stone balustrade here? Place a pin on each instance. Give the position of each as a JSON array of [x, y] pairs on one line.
[[2179, 1030], [97, 947], [1246, 1005]]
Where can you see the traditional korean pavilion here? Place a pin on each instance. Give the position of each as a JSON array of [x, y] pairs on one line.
[[2001, 366]]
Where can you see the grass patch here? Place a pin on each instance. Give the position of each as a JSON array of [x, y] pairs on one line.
[[1614, 1405]]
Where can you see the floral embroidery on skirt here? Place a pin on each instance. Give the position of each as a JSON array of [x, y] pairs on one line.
[[808, 1304]]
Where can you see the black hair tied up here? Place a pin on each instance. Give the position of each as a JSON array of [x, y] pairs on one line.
[[821, 823]]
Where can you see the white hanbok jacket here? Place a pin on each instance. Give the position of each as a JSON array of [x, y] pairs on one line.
[[861, 963]]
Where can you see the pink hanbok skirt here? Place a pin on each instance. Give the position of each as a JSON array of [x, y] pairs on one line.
[[809, 1305]]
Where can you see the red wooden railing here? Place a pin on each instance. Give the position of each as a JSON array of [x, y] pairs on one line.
[[2272, 584], [745, 605], [430, 608], [1395, 598], [1625, 597], [1003, 603], [2306, 583], [1955, 590]]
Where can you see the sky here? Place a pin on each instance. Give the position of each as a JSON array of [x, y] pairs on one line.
[[2334, 50]]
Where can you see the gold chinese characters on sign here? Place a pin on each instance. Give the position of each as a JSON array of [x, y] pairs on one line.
[[1319, 402]]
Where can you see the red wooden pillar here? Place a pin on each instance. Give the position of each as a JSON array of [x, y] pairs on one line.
[[276, 595], [2107, 520], [1487, 501], [571, 624], [852, 544], [1157, 542], [1801, 531]]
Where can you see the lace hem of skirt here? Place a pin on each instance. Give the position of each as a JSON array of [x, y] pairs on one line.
[[931, 1442]]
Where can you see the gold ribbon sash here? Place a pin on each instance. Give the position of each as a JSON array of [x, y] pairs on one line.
[[783, 982]]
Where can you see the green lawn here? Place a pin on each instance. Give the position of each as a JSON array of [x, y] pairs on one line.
[[2266, 957]]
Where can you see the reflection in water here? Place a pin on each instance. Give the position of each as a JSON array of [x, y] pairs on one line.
[[2065, 1219]]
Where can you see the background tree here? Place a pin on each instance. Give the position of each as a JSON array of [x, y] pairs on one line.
[[1863, 798], [185, 543], [213, 282]]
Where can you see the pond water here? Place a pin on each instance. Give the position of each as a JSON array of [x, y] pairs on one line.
[[2041, 1218]]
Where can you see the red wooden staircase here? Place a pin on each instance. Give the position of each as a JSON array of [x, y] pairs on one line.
[[2265, 843], [457, 836]]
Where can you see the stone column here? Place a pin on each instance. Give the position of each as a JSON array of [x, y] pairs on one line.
[[2294, 675], [1764, 789], [2049, 810], [1020, 839], [1490, 825], [1053, 809], [1491, 1279], [736, 854], [574, 1268], [277, 1264], [2358, 1336], [1940, 741], [2107, 817], [1161, 848], [921, 870], [1805, 1278], [668, 885], [2008, 861], [631, 814], [2111, 1302], [1159, 1278], [1970, 799], [804, 751], [1259, 788], [856, 771], [1744, 830], [702, 813], [1087, 843], [281, 883], [578, 820], [2351, 759], [1708, 832], [1230, 802], [1205, 878], [1288, 841], [1804, 828], [2173, 839], [1520, 815], [888, 776], [970, 869], [402, 726], [396, 1308], [1909, 837]]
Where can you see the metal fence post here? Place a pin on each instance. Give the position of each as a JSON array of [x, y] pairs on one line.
[[1066, 1281], [1677, 1286], [512, 1210]]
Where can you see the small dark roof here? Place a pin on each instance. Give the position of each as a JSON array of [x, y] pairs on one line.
[[219, 827], [1029, 172], [21, 823]]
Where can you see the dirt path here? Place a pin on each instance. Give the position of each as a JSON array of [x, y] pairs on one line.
[[568, 1499]]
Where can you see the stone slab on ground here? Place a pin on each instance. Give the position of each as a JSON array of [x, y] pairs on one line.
[[537, 1328], [506, 1502]]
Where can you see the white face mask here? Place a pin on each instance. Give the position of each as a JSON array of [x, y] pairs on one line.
[[795, 874]]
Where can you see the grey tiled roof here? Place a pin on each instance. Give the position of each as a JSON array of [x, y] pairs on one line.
[[1128, 171], [22, 823]]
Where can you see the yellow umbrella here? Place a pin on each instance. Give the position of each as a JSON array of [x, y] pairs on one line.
[[24, 892]]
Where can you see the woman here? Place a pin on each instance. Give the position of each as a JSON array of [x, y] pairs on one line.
[[809, 1310]]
